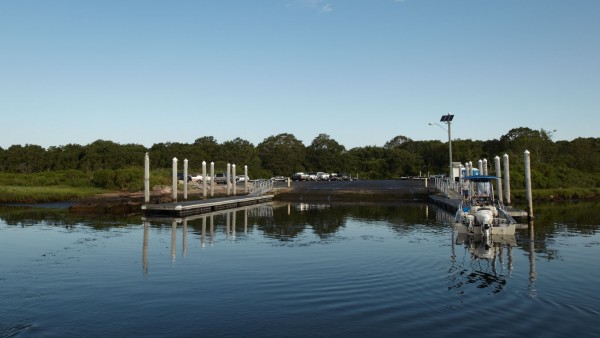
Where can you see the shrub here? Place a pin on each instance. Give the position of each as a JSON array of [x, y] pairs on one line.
[[104, 178]]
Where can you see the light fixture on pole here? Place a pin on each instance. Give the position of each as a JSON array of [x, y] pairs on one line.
[[448, 119]]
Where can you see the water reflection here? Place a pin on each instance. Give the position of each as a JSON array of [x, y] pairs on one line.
[[532, 272], [487, 263], [230, 219]]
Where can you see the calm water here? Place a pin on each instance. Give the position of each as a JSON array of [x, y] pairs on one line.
[[297, 270]]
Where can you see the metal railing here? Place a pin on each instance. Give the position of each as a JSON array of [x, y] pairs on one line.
[[260, 187], [447, 186]]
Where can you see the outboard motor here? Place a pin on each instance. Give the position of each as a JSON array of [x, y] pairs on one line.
[[486, 231]]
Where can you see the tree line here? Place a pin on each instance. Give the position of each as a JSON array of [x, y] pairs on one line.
[[555, 164]]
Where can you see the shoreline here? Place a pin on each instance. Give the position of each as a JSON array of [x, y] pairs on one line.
[[123, 202]]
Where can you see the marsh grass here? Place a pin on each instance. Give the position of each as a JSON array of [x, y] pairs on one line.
[[43, 194], [566, 194]]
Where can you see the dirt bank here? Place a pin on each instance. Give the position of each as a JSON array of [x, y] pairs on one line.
[[344, 191]]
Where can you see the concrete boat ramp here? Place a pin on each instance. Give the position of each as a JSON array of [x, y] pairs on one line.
[[188, 208]]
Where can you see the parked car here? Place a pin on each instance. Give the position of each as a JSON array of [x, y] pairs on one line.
[[300, 176], [221, 178], [241, 178], [199, 178], [180, 177], [321, 176], [278, 179], [312, 176]]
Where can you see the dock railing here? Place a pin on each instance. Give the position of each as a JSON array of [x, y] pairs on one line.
[[447, 186], [260, 187]]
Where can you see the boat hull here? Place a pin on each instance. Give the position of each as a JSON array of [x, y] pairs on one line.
[[500, 229]]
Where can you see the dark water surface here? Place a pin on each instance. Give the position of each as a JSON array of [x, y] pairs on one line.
[[297, 270]]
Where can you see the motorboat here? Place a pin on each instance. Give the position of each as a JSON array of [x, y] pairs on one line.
[[479, 213]]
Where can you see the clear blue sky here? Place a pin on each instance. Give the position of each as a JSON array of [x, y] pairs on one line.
[[361, 71]]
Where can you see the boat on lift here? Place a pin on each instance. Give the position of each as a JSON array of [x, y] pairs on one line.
[[478, 212]]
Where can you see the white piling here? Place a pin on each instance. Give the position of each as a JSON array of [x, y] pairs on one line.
[[485, 166], [499, 174], [528, 192], [204, 179], [480, 166], [246, 179], [233, 179], [506, 179], [212, 179], [175, 178], [185, 180], [147, 178], [227, 178], [470, 168]]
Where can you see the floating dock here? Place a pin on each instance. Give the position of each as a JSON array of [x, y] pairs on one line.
[[188, 208], [451, 204]]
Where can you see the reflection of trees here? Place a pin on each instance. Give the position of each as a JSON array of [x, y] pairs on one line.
[[28, 216], [553, 220], [327, 219]]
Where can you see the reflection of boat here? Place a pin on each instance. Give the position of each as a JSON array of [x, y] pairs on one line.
[[478, 212], [485, 248], [487, 260]]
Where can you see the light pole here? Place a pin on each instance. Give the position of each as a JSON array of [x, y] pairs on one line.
[[448, 119]]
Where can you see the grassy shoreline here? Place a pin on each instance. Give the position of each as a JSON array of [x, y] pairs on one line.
[[60, 193], [45, 194]]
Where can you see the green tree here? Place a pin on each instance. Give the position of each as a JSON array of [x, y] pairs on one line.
[[325, 154], [241, 152], [25, 159], [282, 154], [396, 142], [369, 162]]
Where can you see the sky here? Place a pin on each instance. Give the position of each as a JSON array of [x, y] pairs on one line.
[[360, 71]]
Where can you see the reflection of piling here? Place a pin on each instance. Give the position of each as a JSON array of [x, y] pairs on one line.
[[173, 240], [528, 193], [227, 224], [145, 249], [531, 255], [212, 228], [203, 238], [233, 223], [184, 249], [246, 220]]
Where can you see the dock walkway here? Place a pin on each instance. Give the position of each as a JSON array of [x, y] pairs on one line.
[[452, 203], [188, 208]]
